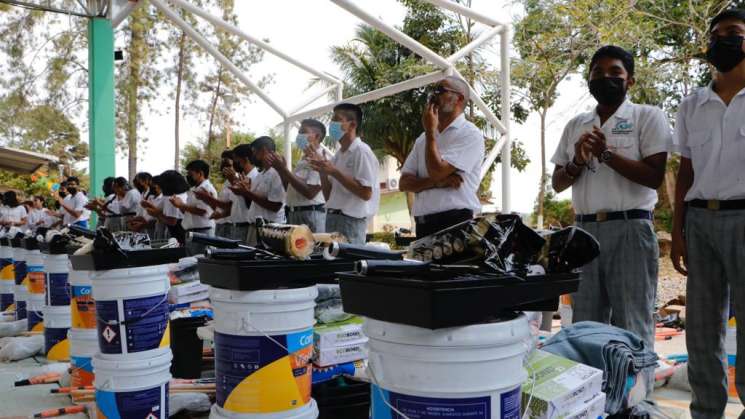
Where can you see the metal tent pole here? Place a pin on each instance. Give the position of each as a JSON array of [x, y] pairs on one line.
[[507, 148]]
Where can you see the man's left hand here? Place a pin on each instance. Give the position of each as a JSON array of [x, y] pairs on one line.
[[597, 142]]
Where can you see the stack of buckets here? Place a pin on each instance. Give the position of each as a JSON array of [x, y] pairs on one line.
[[34, 283], [83, 336], [133, 361], [7, 278], [263, 345], [20, 292]]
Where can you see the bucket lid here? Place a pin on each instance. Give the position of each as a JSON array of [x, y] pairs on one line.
[[495, 333], [290, 295], [130, 364], [115, 274]]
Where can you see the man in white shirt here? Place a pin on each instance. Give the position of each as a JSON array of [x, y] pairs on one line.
[[443, 169], [305, 201], [709, 217], [266, 192], [614, 160], [15, 214], [72, 203], [142, 221], [350, 179], [222, 204], [171, 184], [127, 201], [196, 212], [244, 173]]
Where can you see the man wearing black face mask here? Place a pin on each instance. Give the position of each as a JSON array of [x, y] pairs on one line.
[[72, 203], [709, 217], [614, 159]]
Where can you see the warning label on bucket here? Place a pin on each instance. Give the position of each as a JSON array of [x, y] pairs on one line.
[[432, 408], [257, 374], [148, 403], [144, 324], [83, 307]]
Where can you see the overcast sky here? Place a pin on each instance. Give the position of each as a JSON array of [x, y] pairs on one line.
[[307, 30]]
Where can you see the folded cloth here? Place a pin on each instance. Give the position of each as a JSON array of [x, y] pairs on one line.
[[328, 292], [618, 352], [330, 311]]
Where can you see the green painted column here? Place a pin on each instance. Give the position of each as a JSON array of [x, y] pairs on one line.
[[101, 108]]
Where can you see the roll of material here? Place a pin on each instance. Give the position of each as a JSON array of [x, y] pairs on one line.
[[352, 251]]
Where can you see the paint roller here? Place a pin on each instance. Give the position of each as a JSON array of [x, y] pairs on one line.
[[353, 251]]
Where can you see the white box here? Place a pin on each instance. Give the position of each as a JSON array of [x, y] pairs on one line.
[[561, 386], [344, 333], [591, 409], [340, 354]]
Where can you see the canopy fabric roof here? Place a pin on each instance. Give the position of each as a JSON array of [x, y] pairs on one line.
[[20, 161]]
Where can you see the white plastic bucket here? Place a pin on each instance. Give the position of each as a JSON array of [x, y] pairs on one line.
[[34, 309], [82, 304], [473, 372], [132, 311], [56, 326], [57, 268], [35, 272], [83, 345], [20, 296], [132, 388], [263, 345]]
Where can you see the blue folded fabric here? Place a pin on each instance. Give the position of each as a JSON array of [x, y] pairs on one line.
[[618, 352]]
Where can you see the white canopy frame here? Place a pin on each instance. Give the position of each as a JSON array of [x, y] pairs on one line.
[[445, 65]]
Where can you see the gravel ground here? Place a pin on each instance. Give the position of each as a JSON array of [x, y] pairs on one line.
[[671, 284]]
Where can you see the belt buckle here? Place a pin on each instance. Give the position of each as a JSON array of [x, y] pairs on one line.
[[601, 216], [713, 205]]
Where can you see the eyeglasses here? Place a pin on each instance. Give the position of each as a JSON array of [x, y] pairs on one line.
[[438, 90]]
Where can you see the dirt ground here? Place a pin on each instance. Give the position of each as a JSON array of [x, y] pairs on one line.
[[670, 284]]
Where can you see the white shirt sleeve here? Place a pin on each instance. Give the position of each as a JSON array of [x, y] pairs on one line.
[[655, 134], [80, 201], [561, 155], [410, 165], [679, 142], [276, 191], [466, 152], [366, 168]]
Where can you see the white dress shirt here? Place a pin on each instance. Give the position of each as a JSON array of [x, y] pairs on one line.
[[78, 203], [192, 221], [360, 163], [268, 184], [304, 172], [169, 210]]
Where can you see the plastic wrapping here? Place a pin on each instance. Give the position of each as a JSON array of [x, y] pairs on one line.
[[188, 402], [13, 328], [19, 348]]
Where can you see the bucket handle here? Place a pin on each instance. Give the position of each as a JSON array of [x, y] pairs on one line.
[[136, 319], [303, 358]]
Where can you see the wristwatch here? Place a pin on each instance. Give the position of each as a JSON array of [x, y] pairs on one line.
[[606, 156]]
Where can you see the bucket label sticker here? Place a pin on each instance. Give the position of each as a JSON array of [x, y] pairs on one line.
[[58, 290], [56, 344], [19, 268], [83, 307], [35, 321], [510, 403], [7, 273], [35, 279], [144, 326], [21, 310], [415, 407], [82, 371], [256, 374], [144, 404], [6, 301]]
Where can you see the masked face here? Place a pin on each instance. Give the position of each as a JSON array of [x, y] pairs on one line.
[[336, 131], [725, 52], [139, 186], [190, 179], [608, 90], [301, 141]]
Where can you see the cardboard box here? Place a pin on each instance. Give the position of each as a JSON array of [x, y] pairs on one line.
[[591, 409], [348, 332], [561, 386], [340, 354]]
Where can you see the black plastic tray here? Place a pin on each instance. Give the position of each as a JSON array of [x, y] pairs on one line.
[[437, 304], [97, 261], [252, 275]]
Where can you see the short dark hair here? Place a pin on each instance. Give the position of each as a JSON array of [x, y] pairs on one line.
[[171, 183], [39, 198], [73, 179], [243, 151], [738, 14], [10, 199], [263, 142], [350, 111], [612, 51], [315, 125], [122, 182], [227, 154], [108, 185], [147, 177], [199, 166]]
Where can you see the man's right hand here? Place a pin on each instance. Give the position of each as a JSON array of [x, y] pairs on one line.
[[679, 253], [582, 150], [453, 181]]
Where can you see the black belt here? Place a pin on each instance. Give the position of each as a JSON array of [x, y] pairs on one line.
[[127, 214], [339, 212], [715, 205], [243, 224], [634, 214], [319, 207], [197, 230], [437, 217]]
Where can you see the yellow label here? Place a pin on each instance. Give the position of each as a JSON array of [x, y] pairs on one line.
[[166, 340], [269, 389], [83, 312], [35, 282], [60, 351], [38, 327], [8, 273]]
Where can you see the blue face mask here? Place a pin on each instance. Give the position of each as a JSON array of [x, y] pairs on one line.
[[301, 141], [335, 131]]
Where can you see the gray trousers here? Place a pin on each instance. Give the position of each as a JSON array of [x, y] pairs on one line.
[[716, 266], [240, 232], [354, 229], [315, 220], [620, 286], [224, 230]]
